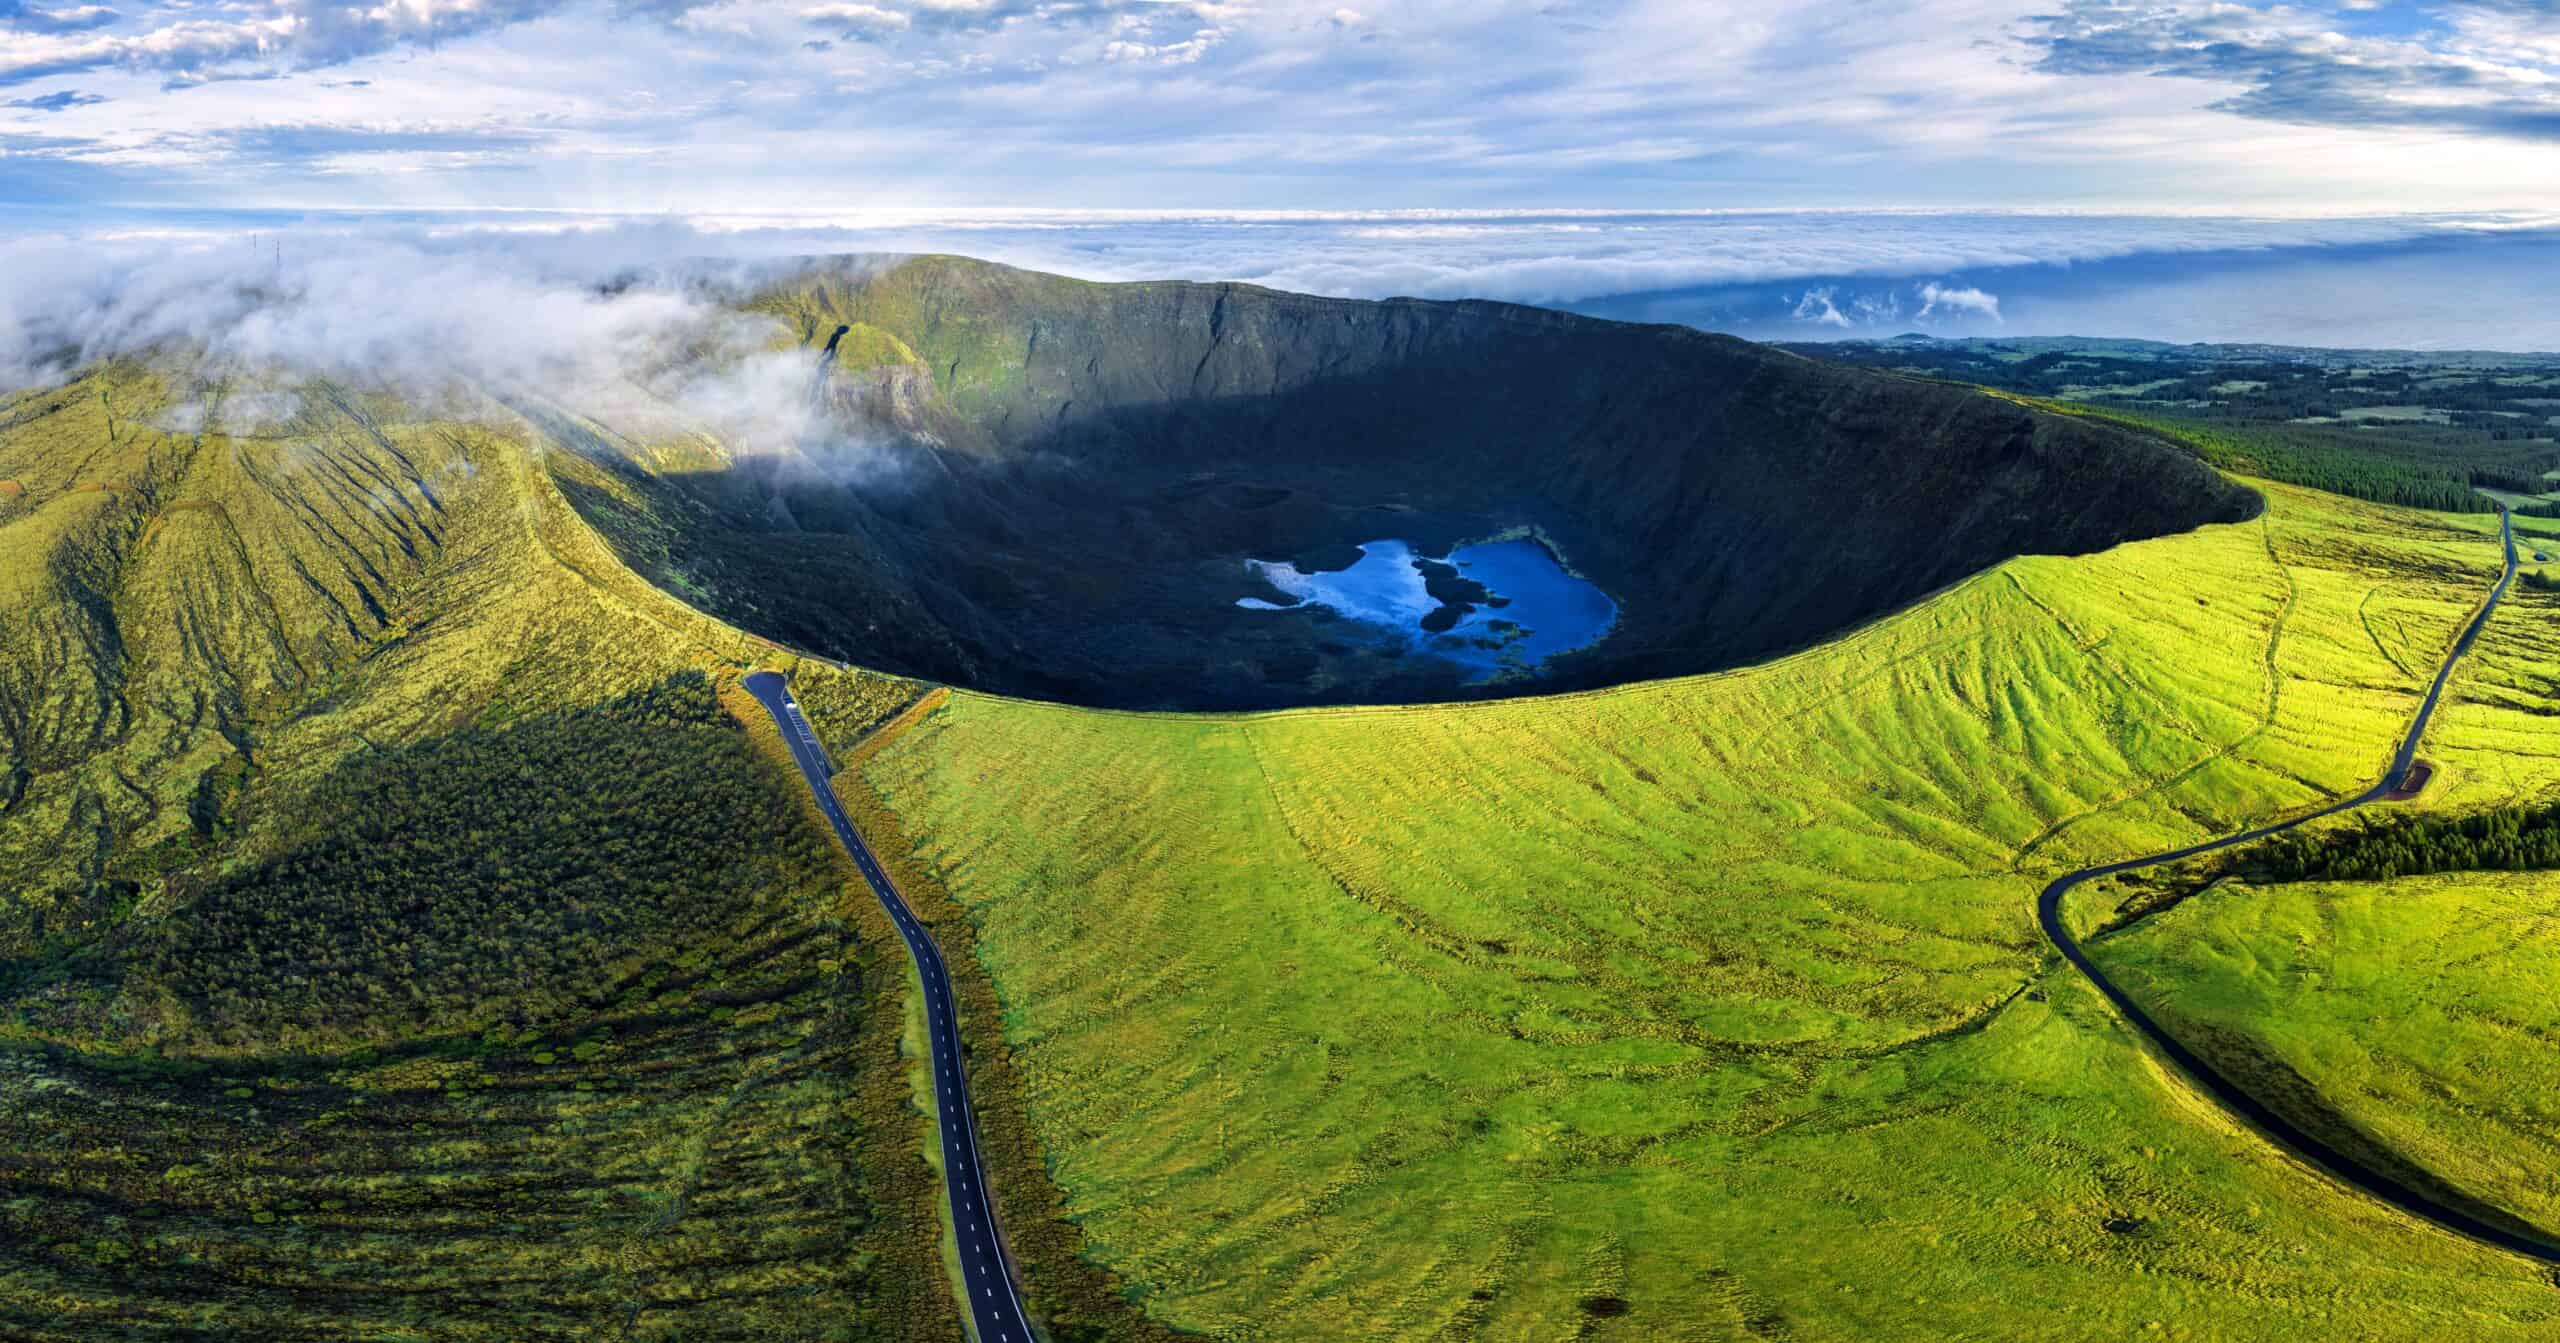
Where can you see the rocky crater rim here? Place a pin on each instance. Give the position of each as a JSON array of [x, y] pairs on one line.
[[1043, 486]]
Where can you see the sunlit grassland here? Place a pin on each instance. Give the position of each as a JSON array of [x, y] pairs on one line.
[[2418, 1011], [173, 599], [1702, 1008], [2498, 734], [942, 308], [219, 646], [2407, 1019], [2495, 739]]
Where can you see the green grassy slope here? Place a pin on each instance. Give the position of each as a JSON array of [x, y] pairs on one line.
[[2495, 736], [399, 941], [2411, 1016], [1711, 1007], [275, 599], [2403, 1018]]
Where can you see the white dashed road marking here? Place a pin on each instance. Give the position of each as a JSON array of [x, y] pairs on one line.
[[959, 1141]]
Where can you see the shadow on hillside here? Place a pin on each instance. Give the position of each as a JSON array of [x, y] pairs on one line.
[[1085, 544]]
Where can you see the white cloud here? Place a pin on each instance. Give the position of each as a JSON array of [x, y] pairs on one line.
[[448, 325], [1101, 102], [856, 19], [1817, 307], [1936, 298], [1504, 103], [1168, 53], [2487, 67]]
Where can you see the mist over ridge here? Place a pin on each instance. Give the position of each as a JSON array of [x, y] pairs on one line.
[[1039, 485], [848, 671], [382, 287]]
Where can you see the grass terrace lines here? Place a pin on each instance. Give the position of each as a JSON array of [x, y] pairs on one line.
[[1730, 980]]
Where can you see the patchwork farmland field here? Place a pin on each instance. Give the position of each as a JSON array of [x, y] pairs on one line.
[[1715, 1007]]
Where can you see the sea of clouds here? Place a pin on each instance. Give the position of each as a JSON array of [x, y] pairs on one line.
[[556, 300]]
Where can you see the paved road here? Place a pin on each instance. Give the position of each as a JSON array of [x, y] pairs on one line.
[[986, 1272], [2233, 1098]]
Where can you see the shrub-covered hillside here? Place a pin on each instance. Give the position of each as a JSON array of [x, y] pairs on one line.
[[398, 937]]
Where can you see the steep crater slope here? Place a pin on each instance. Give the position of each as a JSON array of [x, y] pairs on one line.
[[1045, 486]]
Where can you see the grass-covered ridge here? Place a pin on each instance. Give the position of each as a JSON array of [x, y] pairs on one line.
[[1048, 487], [2407, 1018], [1716, 1006], [396, 942]]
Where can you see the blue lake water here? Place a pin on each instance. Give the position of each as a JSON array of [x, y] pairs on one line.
[[1537, 609]]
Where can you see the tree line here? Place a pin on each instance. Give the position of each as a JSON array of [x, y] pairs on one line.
[[2412, 479], [2303, 423], [2506, 839]]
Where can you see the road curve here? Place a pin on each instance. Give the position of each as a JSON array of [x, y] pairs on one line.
[[2229, 1093], [986, 1272]]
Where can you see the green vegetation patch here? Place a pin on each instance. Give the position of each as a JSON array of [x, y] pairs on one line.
[[2393, 426], [395, 942], [1711, 1007], [687, 1176], [2512, 838], [2420, 475], [513, 869], [2410, 1019]]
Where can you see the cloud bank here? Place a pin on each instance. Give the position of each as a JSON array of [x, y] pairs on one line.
[[570, 306], [1553, 257], [2486, 66], [471, 326], [664, 104]]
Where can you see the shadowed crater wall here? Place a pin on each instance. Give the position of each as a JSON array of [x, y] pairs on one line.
[[1050, 487]]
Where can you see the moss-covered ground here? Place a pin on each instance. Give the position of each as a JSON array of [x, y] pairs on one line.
[[2411, 1016]]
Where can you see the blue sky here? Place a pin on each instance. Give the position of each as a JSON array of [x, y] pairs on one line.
[[1295, 104], [1778, 167]]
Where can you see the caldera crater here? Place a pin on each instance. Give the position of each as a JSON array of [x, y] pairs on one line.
[[1095, 493]]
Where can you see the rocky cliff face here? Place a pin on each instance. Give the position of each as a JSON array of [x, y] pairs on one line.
[[1103, 456]]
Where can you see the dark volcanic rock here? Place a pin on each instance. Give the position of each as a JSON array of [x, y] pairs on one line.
[[1457, 594]]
